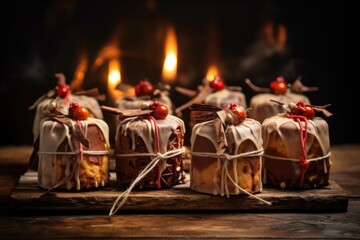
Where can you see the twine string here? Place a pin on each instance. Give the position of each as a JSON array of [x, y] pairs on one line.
[[153, 163]]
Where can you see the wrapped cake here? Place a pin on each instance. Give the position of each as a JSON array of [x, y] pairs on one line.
[[262, 107], [149, 149], [145, 91], [62, 94], [213, 92], [226, 150], [297, 147], [72, 149]]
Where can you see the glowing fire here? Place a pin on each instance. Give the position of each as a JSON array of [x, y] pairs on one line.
[[114, 78], [170, 63], [211, 72]]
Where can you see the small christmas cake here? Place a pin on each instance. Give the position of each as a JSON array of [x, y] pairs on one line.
[[226, 150], [149, 149], [297, 147], [72, 149]]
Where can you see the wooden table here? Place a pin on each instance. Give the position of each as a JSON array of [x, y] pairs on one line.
[[315, 224]]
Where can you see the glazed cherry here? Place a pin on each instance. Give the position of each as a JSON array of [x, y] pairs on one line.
[[160, 111], [144, 88], [309, 112], [80, 113], [238, 113], [278, 86], [304, 110], [218, 83], [63, 90]]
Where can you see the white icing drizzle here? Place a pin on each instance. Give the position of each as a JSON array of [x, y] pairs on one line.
[[52, 134], [286, 127], [262, 107], [89, 102], [143, 128], [225, 97], [248, 130]]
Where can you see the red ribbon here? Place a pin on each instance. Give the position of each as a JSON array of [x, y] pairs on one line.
[[304, 163]]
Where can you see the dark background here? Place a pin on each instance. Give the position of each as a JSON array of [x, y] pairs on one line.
[[40, 38]]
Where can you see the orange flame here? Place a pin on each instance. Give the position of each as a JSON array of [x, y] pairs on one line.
[[114, 78], [170, 63], [211, 72]]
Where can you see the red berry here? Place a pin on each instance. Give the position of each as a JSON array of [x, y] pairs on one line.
[[144, 88], [160, 111], [304, 110], [63, 90], [218, 83], [80, 113], [278, 86], [238, 113], [309, 112]]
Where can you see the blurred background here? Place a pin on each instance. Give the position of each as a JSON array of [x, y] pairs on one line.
[[260, 40]]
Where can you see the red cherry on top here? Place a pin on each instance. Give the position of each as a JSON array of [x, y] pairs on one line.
[[238, 113], [160, 111], [63, 90], [81, 113], [218, 83], [144, 88], [304, 110], [309, 112], [278, 86]]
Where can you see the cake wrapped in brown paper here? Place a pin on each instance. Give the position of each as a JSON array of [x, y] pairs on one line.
[[297, 148], [226, 149], [72, 150]]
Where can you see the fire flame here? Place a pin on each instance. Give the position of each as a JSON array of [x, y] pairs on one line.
[[114, 78], [170, 63], [211, 72]]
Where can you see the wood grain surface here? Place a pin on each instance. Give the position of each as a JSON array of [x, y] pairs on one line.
[[28, 196], [18, 221]]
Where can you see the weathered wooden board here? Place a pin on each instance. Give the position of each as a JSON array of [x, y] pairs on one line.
[[28, 196]]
